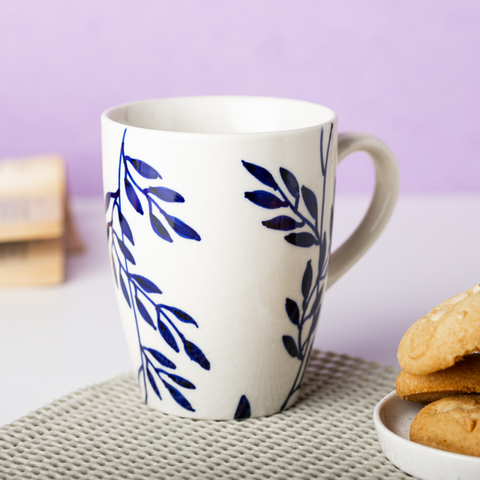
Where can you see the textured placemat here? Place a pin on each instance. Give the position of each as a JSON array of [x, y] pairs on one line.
[[105, 431]]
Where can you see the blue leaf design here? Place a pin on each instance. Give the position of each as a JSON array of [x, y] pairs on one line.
[[265, 199], [140, 370], [153, 384], [181, 381], [292, 311], [290, 182], [178, 397], [243, 410], [132, 197], [302, 239], [167, 335], [166, 194], [307, 280], [310, 200], [159, 229], [126, 252], [146, 284], [125, 227], [196, 354], [261, 174], [182, 228], [180, 314], [282, 223], [124, 290], [144, 313], [290, 346], [144, 169], [160, 358]]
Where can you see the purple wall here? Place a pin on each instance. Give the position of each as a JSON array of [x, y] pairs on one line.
[[408, 72]]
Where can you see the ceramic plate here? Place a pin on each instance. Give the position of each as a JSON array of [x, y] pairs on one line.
[[393, 417]]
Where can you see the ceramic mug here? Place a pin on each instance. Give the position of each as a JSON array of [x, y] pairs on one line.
[[219, 216]]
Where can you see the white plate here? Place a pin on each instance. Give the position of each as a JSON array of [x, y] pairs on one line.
[[393, 417]]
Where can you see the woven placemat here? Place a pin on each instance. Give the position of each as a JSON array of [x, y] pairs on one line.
[[106, 431]]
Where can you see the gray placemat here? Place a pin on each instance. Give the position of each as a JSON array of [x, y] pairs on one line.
[[106, 431]]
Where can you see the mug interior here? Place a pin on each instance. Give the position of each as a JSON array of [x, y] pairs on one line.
[[221, 114]]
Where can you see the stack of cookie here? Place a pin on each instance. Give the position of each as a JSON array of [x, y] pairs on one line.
[[441, 366]]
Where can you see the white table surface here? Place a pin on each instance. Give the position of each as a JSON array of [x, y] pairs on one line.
[[55, 340]]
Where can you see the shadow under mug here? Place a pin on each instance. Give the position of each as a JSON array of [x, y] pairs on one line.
[[219, 216]]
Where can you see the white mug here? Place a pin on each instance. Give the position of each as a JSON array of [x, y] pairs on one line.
[[219, 214]]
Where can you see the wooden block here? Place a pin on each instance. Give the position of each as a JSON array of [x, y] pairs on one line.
[[32, 198], [33, 263]]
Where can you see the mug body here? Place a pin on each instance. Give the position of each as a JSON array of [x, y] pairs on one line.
[[219, 216]]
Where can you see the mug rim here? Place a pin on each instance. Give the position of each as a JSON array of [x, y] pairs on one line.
[[113, 114]]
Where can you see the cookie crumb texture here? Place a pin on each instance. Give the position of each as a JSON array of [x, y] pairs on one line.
[[442, 337], [450, 424], [463, 378]]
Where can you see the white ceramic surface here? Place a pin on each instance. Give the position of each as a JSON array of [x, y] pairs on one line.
[[393, 417], [220, 212]]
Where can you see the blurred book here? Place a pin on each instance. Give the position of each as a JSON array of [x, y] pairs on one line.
[[36, 227]]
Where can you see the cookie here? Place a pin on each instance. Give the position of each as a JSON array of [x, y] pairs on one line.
[[443, 336], [462, 378], [451, 424]]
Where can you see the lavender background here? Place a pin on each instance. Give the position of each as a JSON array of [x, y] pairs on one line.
[[408, 72]]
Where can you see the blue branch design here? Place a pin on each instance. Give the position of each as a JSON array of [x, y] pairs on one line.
[[141, 293], [306, 233]]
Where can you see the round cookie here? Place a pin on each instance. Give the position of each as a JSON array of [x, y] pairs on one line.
[[462, 378], [446, 334], [450, 424]]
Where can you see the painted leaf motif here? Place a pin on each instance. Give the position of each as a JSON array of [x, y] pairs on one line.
[[165, 194], [140, 370], [182, 228], [302, 239], [181, 381], [153, 384], [180, 314], [167, 335], [178, 397], [290, 346], [196, 354], [292, 311], [144, 313], [159, 229], [310, 200], [126, 252], [282, 223], [146, 284], [243, 409], [290, 181], [261, 174], [162, 359], [265, 199], [132, 197], [124, 290], [144, 169], [125, 227], [307, 280]]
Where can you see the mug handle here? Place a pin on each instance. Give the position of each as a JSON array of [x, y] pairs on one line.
[[387, 186]]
